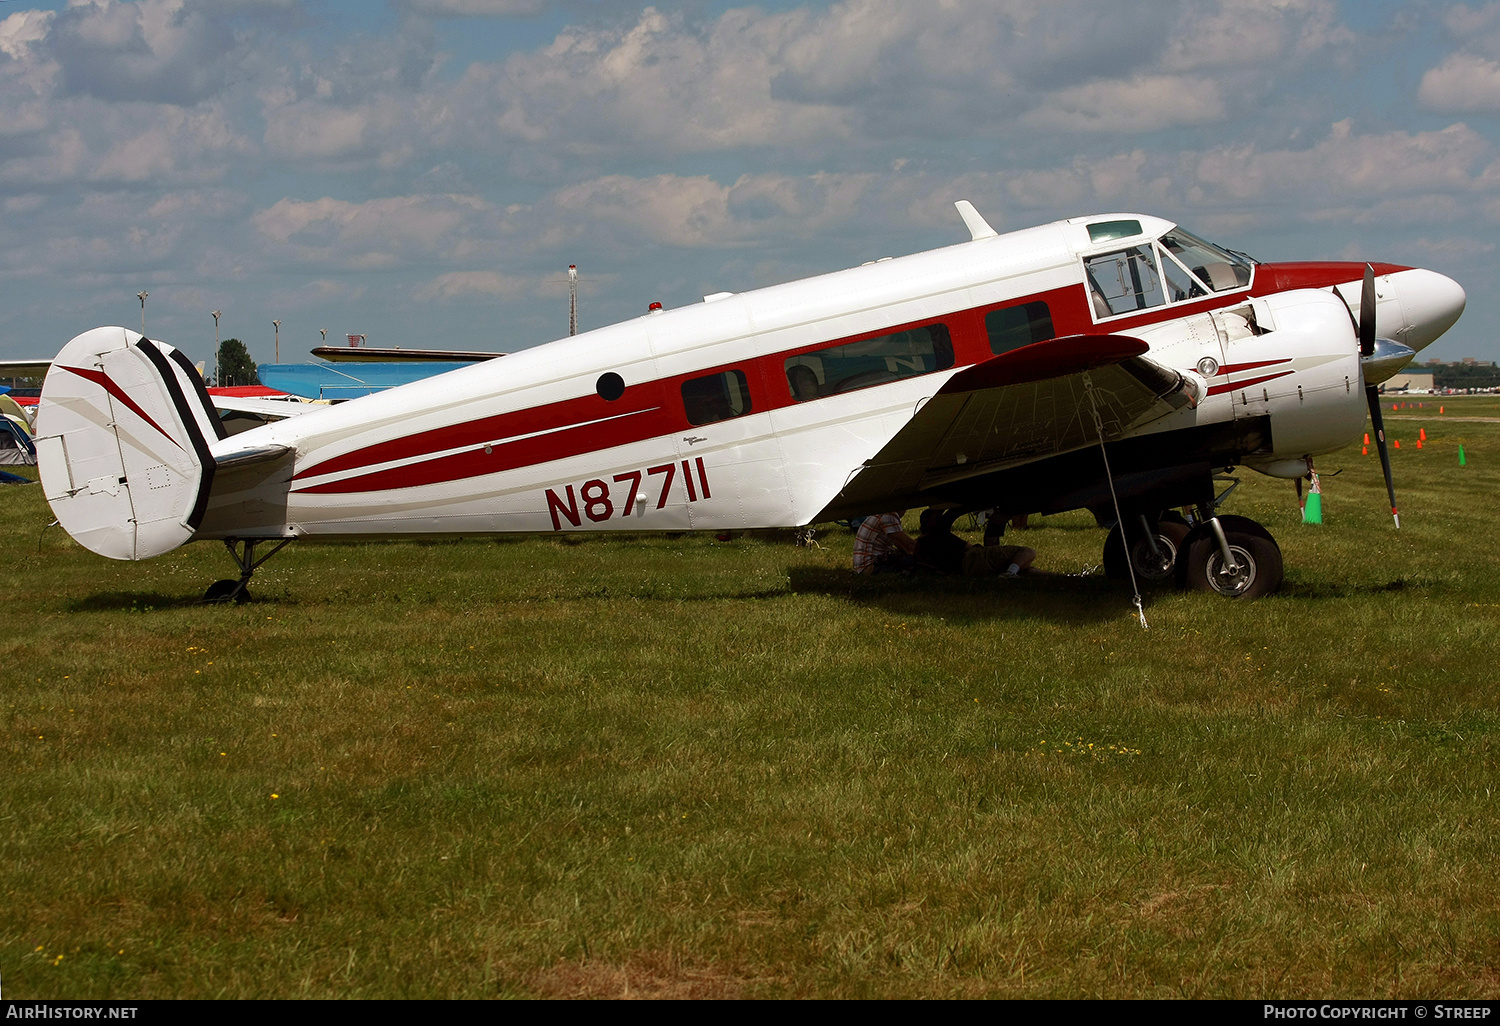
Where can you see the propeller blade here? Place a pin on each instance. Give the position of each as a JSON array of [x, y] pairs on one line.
[[1372, 395], [1367, 314]]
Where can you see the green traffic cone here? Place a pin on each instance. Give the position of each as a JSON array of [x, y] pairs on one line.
[[1462, 462]]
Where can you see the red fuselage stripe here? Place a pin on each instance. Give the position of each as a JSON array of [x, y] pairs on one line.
[[501, 455], [1237, 368], [1230, 386]]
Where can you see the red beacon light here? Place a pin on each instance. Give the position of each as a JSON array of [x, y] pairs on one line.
[[654, 308]]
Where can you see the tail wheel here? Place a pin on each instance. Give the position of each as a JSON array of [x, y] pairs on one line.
[[1258, 567], [1170, 535], [221, 592]]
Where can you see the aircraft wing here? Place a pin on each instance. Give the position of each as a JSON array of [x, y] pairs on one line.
[[1028, 404], [24, 368]]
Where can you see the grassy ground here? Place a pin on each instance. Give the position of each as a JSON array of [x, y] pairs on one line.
[[678, 767]]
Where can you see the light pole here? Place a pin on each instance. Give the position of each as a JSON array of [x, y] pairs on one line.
[[277, 326], [141, 295], [216, 347]]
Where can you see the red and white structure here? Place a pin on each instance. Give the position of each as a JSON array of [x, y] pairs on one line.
[[988, 374]]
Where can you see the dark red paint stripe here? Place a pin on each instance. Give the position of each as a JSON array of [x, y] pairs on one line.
[[503, 456], [1236, 368], [494, 430], [1230, 386], [103, 381]]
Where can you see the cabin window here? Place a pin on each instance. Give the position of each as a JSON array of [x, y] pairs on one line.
[[1123, 282], [1181, 285], [871, 361], [610, 386], [1017, 326], [716, 397], [1107, 231]]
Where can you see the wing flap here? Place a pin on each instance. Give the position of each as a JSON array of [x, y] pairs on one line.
[[1024, 405]]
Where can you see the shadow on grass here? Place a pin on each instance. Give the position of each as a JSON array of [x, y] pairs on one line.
[[1326, 589], [132, 602], [1053, 597]]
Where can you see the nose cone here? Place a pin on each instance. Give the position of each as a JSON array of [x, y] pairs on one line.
[[1430, 304]]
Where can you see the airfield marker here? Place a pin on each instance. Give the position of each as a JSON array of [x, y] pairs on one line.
[[1397, 443], [1421, 434], [1462, 462], [1312, 509]]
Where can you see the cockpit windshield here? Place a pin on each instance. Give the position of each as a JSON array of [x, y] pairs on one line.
[[1217, 268], [1176, 268]]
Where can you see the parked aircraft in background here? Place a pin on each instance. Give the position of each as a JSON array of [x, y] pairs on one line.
[[1115, 363]]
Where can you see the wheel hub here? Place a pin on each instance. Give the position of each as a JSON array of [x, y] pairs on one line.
[[1231, 582]]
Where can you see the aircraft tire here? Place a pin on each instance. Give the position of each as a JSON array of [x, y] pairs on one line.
[[225, 591], [1170, 536], [1201, 567]]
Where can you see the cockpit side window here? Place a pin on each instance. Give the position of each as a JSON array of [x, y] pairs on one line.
[[1216, 268], [1181, 285], [1124, 281]]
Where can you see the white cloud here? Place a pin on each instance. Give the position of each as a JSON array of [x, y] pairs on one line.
[[164, 51], [463, 8], [378, 233], [1143, 103], [1462, 82], [1343, 163], [470, 284], [1234, 33]]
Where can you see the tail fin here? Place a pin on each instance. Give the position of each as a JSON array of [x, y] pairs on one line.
[[123, 433]]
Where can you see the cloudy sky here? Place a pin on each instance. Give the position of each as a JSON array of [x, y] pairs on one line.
[[423, 171]]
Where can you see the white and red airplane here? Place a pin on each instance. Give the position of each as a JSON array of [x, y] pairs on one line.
[[1116, 363]]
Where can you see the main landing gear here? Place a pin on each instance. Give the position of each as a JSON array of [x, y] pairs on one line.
[[245, 558], [1225, 555]]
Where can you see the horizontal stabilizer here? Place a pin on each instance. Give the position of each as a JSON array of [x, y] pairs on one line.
[[250, 457], [269, 409]]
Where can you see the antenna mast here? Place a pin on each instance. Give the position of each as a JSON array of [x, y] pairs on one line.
[[572, 299]]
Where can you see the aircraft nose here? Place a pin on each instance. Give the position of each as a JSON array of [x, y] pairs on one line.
[[1430, 304]]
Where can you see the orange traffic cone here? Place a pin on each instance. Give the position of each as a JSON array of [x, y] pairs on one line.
[[1419, 443], [1367, 438], [1397, 443], [1364, 450], [1421, 434]]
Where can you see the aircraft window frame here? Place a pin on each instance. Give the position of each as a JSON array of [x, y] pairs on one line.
[[1148, 294], [1039, 326], [712, 398], [907, 353], [1194, 286], [1239, 267]]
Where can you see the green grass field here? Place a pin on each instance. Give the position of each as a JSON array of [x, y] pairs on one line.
[[678, 767]]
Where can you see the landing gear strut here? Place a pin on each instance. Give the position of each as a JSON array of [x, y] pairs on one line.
[[245, 558], [1154, 547], [1230, 556]]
